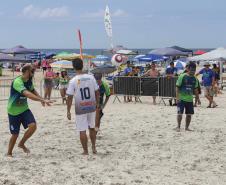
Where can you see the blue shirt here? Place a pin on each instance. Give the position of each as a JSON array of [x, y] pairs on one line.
[[171, 71], [127, 71], [207, 76]]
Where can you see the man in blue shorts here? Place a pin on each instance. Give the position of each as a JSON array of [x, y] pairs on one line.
[[18, 110], [187, 85], [208, 79]]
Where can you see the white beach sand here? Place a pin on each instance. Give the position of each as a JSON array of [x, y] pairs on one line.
[[137, 145]]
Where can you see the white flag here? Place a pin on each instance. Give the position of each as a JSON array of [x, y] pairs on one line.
[[107, 23]]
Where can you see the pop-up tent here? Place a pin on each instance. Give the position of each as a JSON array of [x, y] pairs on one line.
[[182, 49], [19, 50], [217, 54], [12, 59], [168, 52]]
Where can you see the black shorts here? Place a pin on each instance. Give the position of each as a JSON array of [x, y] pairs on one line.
[[24, 118], [44, 68], [188, 106]]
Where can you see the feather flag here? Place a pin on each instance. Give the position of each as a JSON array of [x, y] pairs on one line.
[[107, 23]]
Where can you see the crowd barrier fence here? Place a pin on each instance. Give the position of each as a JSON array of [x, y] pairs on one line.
[[164, 87]]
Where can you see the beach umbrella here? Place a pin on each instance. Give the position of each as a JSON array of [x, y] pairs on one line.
[[179, 65], [101, 60], [104, 69], [11, 59], [71, 56], [19, 50], [62, 64], [168, 52], [199, 52], [149, 58]]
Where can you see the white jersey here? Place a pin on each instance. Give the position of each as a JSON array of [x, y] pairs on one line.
[[83, 88]]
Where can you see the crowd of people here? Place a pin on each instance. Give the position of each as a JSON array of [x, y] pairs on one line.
[[91, 95]]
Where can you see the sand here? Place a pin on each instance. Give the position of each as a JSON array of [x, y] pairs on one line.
[[136, 145]]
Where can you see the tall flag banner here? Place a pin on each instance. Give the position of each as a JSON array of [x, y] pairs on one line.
[[108, 26], [80, 41]]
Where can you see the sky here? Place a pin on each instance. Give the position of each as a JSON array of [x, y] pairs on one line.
[[135, 23]]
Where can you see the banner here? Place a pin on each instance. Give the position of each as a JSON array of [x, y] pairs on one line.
[[107, 23]]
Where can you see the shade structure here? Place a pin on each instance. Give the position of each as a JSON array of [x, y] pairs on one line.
[[182, 49], [217, 54], [101, 60], [168, 52], [179, 65], [12, 59], [72, 56], [62, 64], [199, 52], [149, 58], [126, 52], [19, 50], [104, 69]]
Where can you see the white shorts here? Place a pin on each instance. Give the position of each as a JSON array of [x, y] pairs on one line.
[[85, 121]]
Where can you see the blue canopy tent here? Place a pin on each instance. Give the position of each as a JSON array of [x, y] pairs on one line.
[[19, 50], [168, 52]]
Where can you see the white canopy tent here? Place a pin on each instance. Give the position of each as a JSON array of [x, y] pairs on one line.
[[218, 55]]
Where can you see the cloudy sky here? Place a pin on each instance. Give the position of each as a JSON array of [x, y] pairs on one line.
[[136, 23]]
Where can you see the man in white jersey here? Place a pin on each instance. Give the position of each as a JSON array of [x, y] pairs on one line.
[[85, 90]]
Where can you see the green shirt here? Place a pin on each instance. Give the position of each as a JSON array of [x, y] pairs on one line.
[[186, 84], [17, 102], [63, 81], [104, 89]]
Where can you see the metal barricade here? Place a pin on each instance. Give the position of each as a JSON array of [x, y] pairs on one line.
[[5, 85], [149, 86], [167, 86], [124, 85], [163, 87]]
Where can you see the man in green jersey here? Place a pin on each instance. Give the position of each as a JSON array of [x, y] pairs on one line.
[[186, 84], [18, 110], [103, 90]]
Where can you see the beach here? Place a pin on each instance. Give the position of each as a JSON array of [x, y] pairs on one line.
[[137, 144]]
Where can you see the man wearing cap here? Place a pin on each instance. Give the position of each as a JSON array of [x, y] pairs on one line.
[[186, 85], [18, 110], [208, 79], [103, 90]]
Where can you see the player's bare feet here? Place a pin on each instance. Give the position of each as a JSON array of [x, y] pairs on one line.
[[177, 129], [85, 153], [9, 155], [24, 148], [187, 129]]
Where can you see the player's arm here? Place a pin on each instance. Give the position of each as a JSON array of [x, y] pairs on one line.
[[69, 103], [97, 94], [32, 96], [70, 94], [107, 94]]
